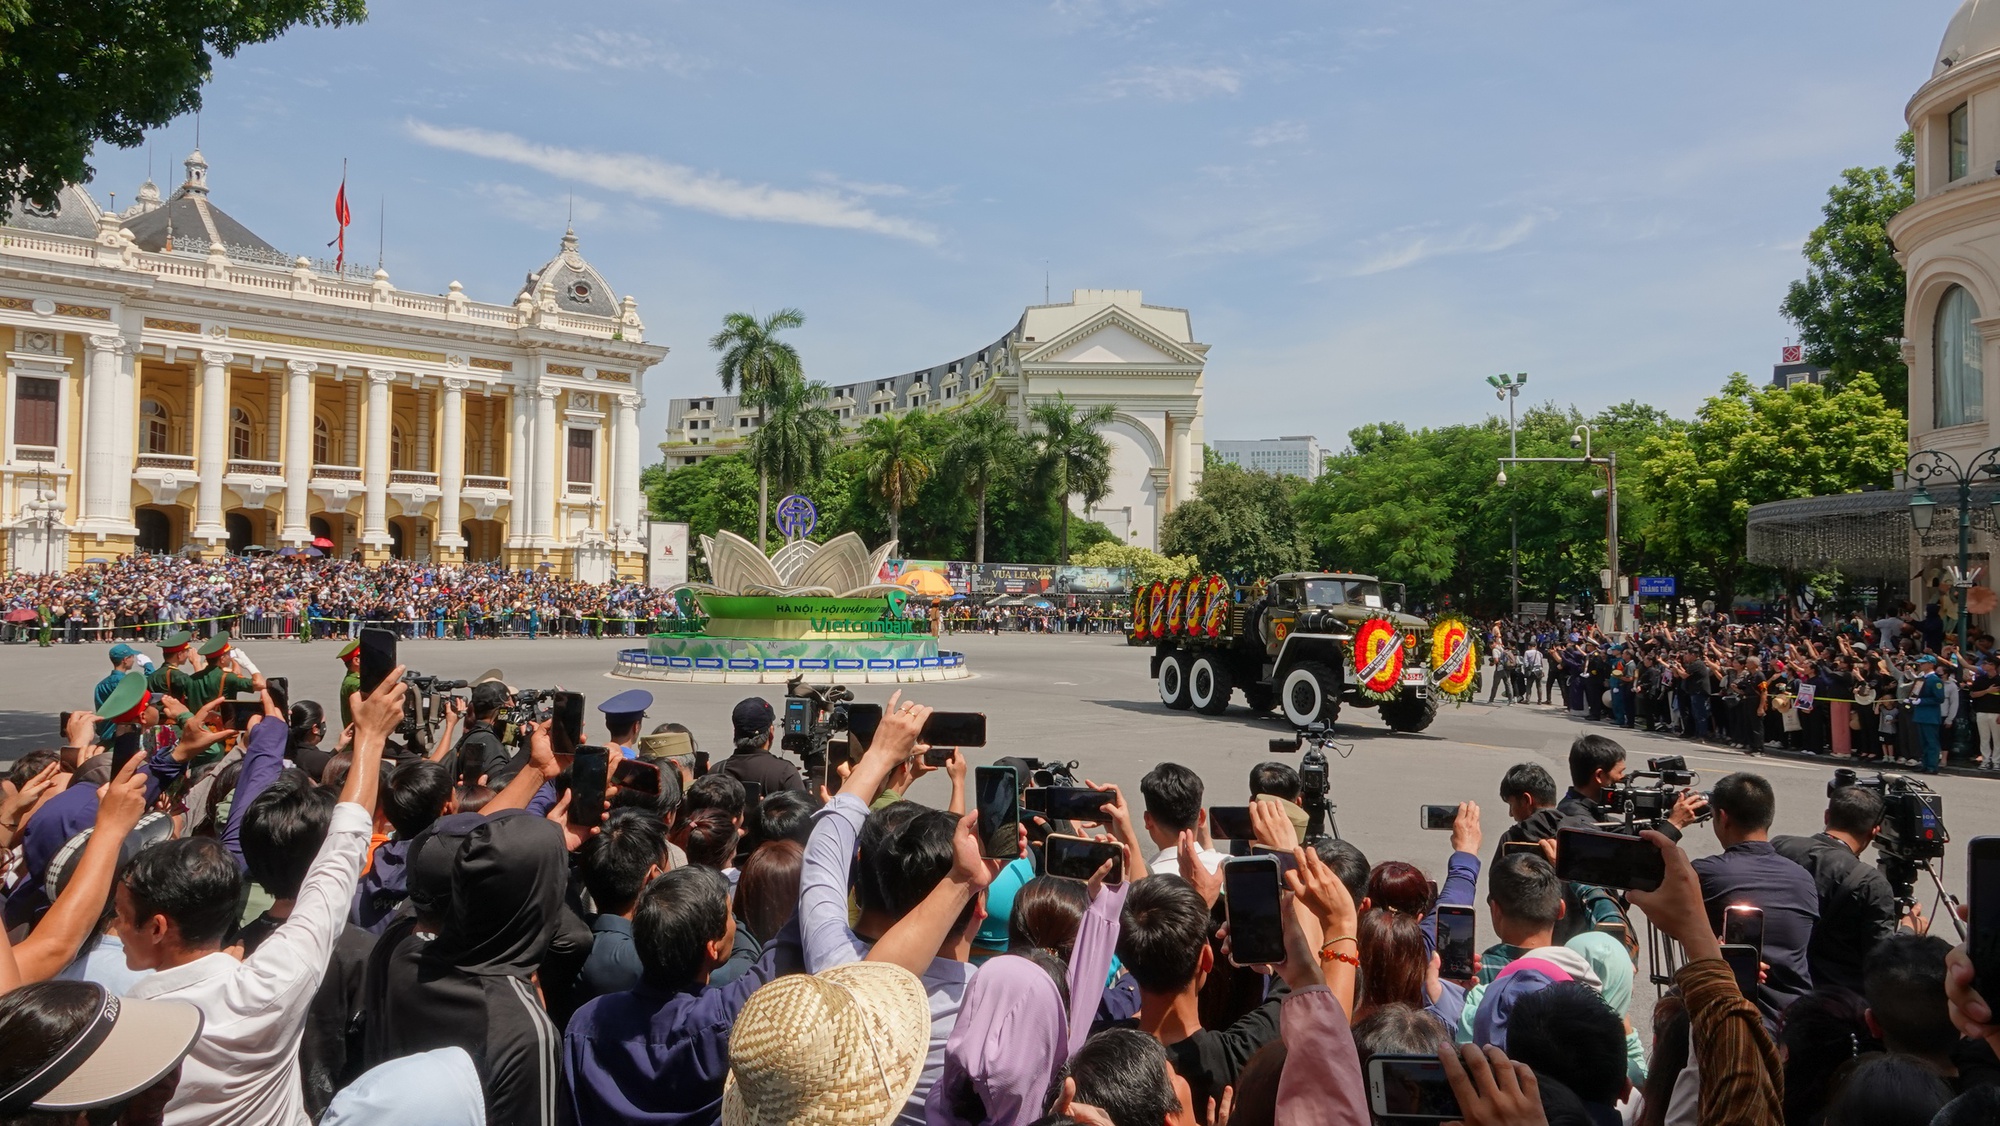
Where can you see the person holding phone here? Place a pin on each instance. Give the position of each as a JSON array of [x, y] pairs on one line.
[[1749, 871], [480, 753], [753, 723]]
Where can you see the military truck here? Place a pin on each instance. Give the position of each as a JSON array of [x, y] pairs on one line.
[[1283, 643]]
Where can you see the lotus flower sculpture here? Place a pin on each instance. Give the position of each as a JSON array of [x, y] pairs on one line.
[[842, 567]]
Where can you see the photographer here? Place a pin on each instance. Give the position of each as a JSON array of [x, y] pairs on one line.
[[1596, 767], [754, 724], [1749, 872], [480, 753], [1857, 907]]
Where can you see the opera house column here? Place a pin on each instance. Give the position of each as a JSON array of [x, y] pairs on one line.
[[102, 511], [451, 478], [520, 436], [375, 539], [298, 451], [211, 454], [543, 470], [626, 517], [1182, 424]]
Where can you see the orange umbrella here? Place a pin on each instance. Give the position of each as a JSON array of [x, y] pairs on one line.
[[927, 583]]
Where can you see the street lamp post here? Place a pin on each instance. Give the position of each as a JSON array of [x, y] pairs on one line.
[[1934, 465], [47, 506], [1507, 390], [1580, 438]]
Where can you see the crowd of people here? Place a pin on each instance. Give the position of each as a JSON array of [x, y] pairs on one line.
[[1893, 687], [254, 914], [1087, 616], [138, 596]]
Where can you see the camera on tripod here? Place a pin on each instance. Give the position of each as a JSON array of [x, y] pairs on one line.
[[424, 707], [812, 714], [1313, 777], [529, 705], [1912, 833], [1649, 795]]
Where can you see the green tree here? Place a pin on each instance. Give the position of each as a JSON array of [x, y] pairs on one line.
[[797, 435], [898, 463], [1145, 564], [984, 447], [1073, 457], [1748, 446], [1849, 306], [755, 360], [709, 495], [1240, 521], [80, 73]]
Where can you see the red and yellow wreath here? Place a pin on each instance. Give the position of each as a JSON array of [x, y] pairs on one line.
[[1376, 659], [1454, 658]]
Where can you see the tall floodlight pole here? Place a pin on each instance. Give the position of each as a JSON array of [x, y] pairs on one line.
[[1508, 388], [1580, 439]]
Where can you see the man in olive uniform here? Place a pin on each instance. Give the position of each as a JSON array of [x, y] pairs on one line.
[[171, 678], [350, 655], [216, 677]]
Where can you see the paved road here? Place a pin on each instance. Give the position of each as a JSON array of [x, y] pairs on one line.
[[1081, 698]]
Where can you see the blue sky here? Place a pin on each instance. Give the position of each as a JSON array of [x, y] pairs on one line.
[[1367, 207]]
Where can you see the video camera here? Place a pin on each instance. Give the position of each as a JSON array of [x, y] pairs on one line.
[[1913, 832], [529, 705], [424, 707], [1649, 795], [812, 714], [1314, 777], [1046, 773]]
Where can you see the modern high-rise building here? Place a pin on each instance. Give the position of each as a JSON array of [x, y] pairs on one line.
[[1293, 455], [175, 382]]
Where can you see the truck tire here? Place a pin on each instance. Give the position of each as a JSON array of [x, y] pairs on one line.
[[1172, 681], [1260, 698], [1410, 712], [1309, 693], [1208, 685]]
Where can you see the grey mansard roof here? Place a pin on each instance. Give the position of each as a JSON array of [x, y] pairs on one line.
[[578, 287]]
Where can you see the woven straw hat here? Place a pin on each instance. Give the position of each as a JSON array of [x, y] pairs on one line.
[[840, 1048]]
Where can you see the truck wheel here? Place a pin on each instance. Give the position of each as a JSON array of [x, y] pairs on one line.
[[1208, 685], [1410, 712], [1260, 698], [1173, 681], [1310, 693]]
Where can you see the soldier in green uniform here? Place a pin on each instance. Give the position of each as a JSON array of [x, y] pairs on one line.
[[216, 677], [171, 678], [350, 655]]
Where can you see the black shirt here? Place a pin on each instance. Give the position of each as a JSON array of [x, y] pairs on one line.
[[1210, 1059], [765, 769], [1987, 704], [1752, 872], [481, 753], [1857, 908]]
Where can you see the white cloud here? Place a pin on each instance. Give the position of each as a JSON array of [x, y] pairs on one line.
[[603, 49], [1402, 248], [646, 177], [1277, 133], [523, 206], [1175, 83]]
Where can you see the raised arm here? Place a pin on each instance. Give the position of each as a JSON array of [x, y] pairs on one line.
[[915, 939], [263, 761], [62, 931]]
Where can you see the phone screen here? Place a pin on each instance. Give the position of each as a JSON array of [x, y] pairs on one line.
[[1230, 823], [1437, 816], [1457, 939], [1742, 961], [631, 774], [1068, 803], [1587, 856], [566, 713], [378, 658], [587, 767], [940, 756], [862, 720], [1411, 1087], [953, 729], [1509, 848], [280, 689], [1079, 858], [1983, 886], [1250, 891], [753, 797], [124, 745], [994, 794], [1743, 926], [237, 713]]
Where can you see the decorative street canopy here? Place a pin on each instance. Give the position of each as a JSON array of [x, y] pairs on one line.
[[1860, 535]]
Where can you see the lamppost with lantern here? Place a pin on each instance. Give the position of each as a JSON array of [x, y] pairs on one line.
[[1926, 466], [1507, 389], [1580, 439]]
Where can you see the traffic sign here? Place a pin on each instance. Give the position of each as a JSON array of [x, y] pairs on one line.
[[1657, 586]]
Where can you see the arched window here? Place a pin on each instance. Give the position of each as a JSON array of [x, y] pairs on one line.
[[322, 442], [153, 430], [239, 433], [1959, 381]]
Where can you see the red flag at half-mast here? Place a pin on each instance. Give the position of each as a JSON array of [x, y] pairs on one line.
[[343, 216]]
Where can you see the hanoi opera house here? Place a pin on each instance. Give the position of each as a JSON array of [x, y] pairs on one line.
[[174, 383]]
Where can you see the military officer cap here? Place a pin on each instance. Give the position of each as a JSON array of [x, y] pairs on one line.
[[349, 649], [127, 700], [175, 641], [214, 645]]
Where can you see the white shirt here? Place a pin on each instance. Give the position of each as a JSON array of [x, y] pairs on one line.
[[1168, 863], [244, 1069]]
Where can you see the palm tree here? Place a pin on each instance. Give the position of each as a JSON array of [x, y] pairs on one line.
[[985, 448], [1074, 458], [898, 465], [755, 360], [797, 435]]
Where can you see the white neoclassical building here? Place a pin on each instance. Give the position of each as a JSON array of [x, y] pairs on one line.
[[1103, 346], [175, 382]]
